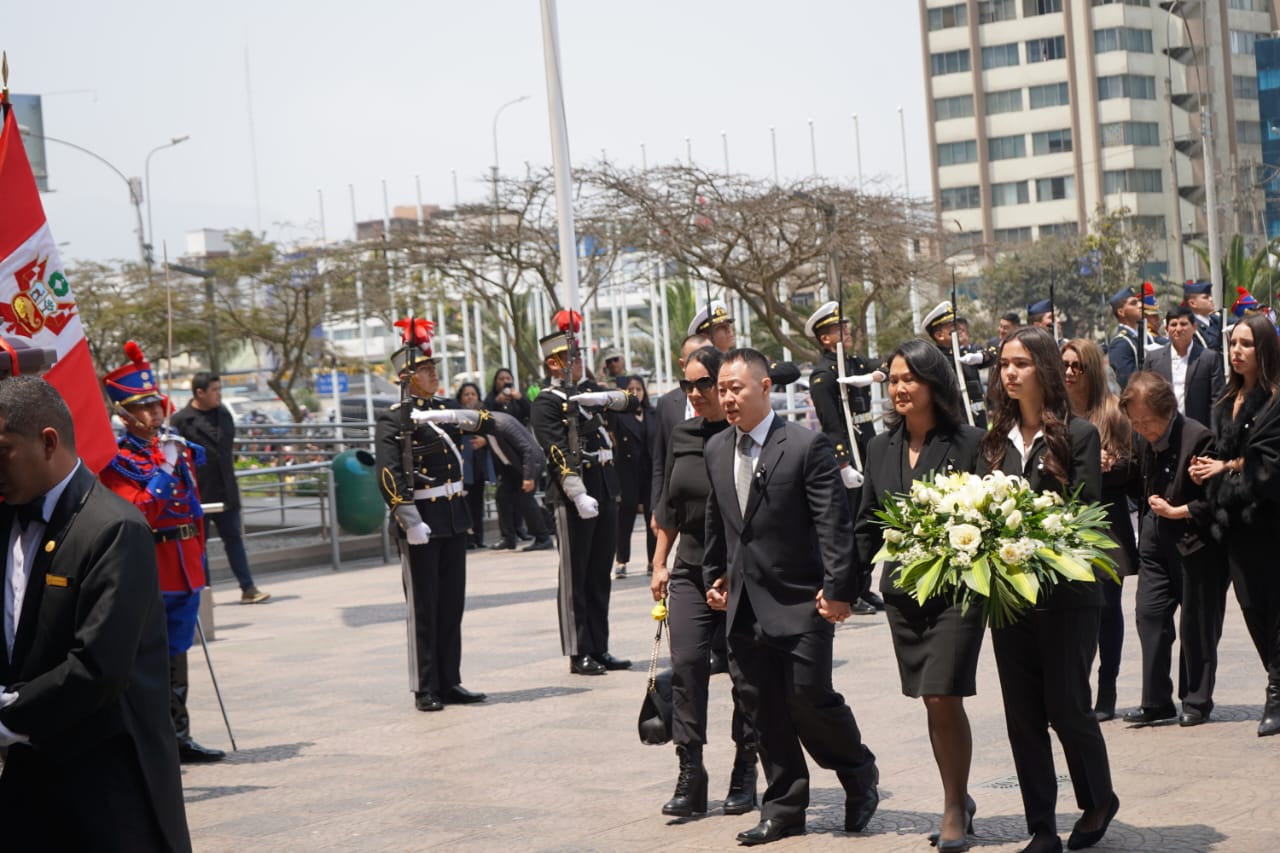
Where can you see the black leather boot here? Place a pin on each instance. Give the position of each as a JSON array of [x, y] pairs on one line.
[[691, 787], [1104, 708], [1270, 724], [189, 752], [742, 782]]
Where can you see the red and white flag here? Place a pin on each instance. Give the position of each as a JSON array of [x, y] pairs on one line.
[[36, 301]]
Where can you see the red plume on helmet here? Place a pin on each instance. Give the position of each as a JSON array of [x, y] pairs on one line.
[[564, 318], [134, 352], [416, 332]]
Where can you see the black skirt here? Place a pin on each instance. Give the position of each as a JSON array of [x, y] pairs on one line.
[[937, 646]]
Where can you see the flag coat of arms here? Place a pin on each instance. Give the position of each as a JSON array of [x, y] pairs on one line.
[[37, 303]]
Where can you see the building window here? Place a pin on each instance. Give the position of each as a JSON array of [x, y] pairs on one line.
[[960, 198], [952, 153], [1122, 38], [1125, 2], [946, 17], [1127, 86], [1242, 42], [1013, 236], [956, 243], [1000, 56], [961, 106], [991, 11], [1031, 8], [1052, 95], [1132, 181], [1059, 229], [1152, 225], [1051, 142], [1273, 129], [1014, 192], [1006, 147], [1268, 79], [1008, 101], [951, 62], [1045, 49], [1248, 132], [1250, 5], [1244, 86], [1055, 189], [1130, 133]]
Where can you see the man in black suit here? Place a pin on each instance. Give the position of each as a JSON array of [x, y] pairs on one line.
[[1194, 372], [778, 538], [92, 762]]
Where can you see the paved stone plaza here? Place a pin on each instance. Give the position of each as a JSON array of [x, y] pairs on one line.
[[333, 755]]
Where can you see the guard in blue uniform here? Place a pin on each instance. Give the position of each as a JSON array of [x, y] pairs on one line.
[[1126, 349], [420, 474], [1198, 296]]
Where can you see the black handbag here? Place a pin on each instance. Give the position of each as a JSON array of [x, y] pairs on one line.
[[654, 724]]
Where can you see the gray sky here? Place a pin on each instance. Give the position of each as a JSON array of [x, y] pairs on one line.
[[354, 93]]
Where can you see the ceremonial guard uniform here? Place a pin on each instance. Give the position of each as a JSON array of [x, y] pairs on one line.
[[155, 471], [1198, 296], [824, 391], [714, 321], [583, 488], [939, 324], [420, 474], [1126, 350]]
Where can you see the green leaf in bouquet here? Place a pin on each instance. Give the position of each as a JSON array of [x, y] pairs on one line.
[[1107, 565], [883, 555], [927, 586], [1023, 581], [1066, 565], [979, 577]]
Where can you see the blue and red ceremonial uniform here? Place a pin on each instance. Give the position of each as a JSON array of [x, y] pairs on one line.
[[171, 504]]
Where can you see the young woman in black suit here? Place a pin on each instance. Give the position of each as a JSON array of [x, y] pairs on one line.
[[633, 434], [682, 510], [1044, 658], [937, 644], [1244, 491]]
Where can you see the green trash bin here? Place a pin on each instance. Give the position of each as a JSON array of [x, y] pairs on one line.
[[361, 509]]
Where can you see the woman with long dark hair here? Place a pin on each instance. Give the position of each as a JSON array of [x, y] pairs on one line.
[[937, 644], [682, 510], [476, 467], [632, 459], [1086, 377], [1244, 491], [504, 396], [1044, 658]]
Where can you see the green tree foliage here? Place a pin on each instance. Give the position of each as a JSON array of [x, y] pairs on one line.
[[1241, 268]]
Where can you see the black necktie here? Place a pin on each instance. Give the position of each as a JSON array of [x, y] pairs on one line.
[[29, 512]]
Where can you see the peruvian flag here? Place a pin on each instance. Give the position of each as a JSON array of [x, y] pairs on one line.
[[36, 301]]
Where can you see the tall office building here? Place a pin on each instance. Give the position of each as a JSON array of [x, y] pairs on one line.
[[1042, 110]]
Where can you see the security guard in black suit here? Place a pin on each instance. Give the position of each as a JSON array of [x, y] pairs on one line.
[[568, 420], [420, 473], [824, 390]]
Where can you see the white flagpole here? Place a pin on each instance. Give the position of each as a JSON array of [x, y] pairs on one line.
[[560, 156]]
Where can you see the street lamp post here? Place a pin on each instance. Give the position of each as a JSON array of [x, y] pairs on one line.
[[146, 184], [497, 221]]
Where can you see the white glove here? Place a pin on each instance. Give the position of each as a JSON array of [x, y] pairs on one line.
[[588, 507], [418, 534], [591, 399], [7, 737], [436, 416], [973, 359], [862, 380], [851, 476], [170, 450]]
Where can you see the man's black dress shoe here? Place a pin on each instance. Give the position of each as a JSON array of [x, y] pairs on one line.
[[719, 663], [1043, 843], [1192, 717], [871, 598], [1146, 716], [190, 752], [858, 813], [459, 695], [542, 543], [504, 545], [1080, 839], [770, 830], [862, 608], [585, 665], [428, 701], [608, 661]]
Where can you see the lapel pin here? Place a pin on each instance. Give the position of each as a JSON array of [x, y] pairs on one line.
[[49, 546]]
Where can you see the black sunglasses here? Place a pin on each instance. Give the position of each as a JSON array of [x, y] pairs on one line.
[[705, 384]]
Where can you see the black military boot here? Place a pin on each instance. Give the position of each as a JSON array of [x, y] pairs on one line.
[[1104, 707], [742, 782], [691, 787], [1270, 724], [189, 752]]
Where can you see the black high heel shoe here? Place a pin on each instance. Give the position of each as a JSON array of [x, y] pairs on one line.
[[957, 844]]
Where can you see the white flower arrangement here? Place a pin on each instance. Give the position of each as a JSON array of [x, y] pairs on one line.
[[991, 541]]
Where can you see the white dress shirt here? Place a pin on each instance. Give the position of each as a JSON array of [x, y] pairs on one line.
[[1015, 435], [758, 435], [23, 548], [1178, 367]]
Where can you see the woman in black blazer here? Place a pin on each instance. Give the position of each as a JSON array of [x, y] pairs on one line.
[[1244, 491], [936, 644], [1044, 658], [633, 437]]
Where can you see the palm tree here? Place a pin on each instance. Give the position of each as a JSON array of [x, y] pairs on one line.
[[1253, 272]]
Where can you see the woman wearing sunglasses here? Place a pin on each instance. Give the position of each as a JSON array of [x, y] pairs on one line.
[[682, 509]]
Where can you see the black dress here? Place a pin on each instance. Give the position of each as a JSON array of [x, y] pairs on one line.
[[632, 441], [937, 645]]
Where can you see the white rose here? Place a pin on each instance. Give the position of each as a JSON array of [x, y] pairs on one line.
[[965, 537], [893, 537], [1052, 524], [1014, 519], [1009, 552]]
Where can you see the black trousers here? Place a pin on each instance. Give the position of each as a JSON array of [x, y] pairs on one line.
[[1110, 631], [1167, 582], [692, 625], [514, 503], [475, 508], [784, 684], [97, 801], [435, 592], [626, 526], [855, 502], [1251, 558], [586, 549], [1044, 662]]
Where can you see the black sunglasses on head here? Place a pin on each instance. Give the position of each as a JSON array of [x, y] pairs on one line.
[[705, 384]]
